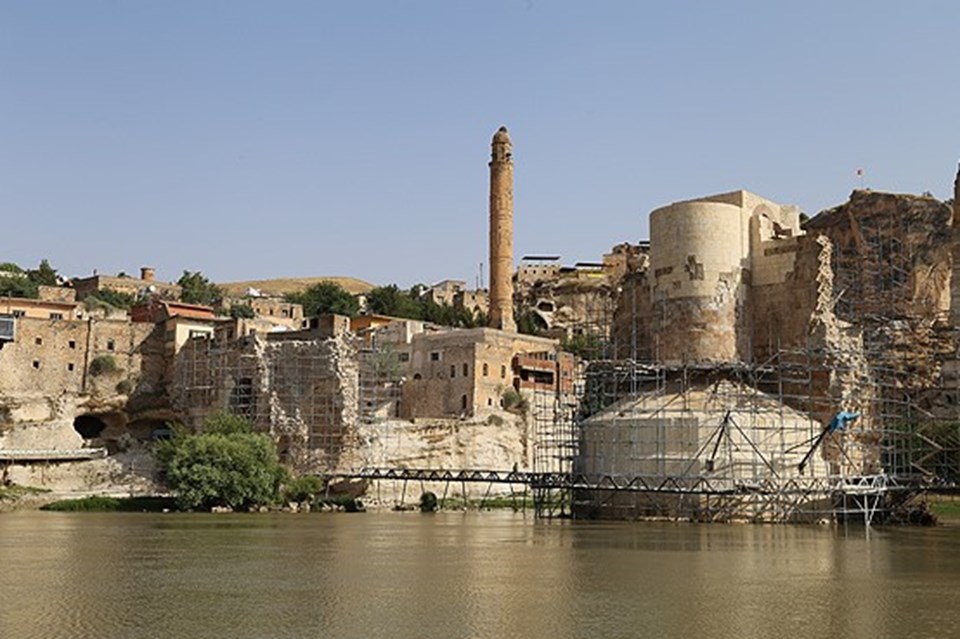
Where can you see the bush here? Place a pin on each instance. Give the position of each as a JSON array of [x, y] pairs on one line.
[[103, 365], [512, 401], [226, 465], [428, 502], [305, 488]]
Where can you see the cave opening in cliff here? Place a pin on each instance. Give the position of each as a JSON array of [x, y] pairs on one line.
[[89, 426]]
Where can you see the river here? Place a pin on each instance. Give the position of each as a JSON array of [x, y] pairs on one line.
[[449, 575]]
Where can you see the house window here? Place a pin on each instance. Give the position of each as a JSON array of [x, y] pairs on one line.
[[38, 341], [403, 357], [19, 314], [489, 401], [70, 366], [463, 402], [72, 344], [36, 363], [56, 316], [503, 372], [111, 345], [486, 369], [453, 371], [435, 356], [417, 376], [466, 369]]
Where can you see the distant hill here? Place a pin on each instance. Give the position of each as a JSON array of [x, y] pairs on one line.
[[283, 285]]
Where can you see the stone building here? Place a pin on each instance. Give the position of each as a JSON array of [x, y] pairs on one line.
[[72, 390], [181, 322], [145, 285], [54, 309], [466, 372], [455, 293]]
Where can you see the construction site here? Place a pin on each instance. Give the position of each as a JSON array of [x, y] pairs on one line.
[[828, 392], [747, 366]]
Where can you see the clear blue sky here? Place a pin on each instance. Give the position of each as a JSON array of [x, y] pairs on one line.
[[267, 139]]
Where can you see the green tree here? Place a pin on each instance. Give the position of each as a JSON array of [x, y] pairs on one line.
[[242, 310], [529, 322], [44, 274], [325, 297], [390, 300], [17, 286], [197, 289], [225, 465]]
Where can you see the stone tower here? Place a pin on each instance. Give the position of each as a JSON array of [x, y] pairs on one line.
[[501, 232], [955, 276]]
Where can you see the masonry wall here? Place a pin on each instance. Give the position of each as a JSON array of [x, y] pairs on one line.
[[51, 375]]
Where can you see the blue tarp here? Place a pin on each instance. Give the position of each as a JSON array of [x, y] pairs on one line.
[[841, 419]]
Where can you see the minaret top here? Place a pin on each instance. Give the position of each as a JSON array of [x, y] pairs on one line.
[[502, 147]]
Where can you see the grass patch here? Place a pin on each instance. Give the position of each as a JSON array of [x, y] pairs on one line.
[[499, 502], [98, 504], [945, 509]]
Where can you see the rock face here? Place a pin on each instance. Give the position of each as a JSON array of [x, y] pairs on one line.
[[892, 255], [892, 269]]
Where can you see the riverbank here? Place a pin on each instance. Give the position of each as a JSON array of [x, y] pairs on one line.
[[946, 508]]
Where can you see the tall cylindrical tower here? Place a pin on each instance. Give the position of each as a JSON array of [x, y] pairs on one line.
[[697, 253], [501, 232]]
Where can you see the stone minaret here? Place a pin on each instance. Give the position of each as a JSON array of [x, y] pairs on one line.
[[501, 232], [955, 275]]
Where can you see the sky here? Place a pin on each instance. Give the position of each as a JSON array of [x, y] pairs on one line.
[[293, 138]]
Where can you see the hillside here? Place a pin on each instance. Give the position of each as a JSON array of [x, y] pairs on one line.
[[282, 286]]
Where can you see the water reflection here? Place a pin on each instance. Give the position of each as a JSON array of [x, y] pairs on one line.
[[464, 575]]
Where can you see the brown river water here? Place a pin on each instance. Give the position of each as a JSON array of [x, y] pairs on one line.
[[449, 575]]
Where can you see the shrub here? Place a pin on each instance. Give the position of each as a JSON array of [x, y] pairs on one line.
[[103, 365], [512, 401], [305, 488], [428, 502]]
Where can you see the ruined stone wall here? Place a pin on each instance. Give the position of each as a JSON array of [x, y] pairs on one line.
[[785, 294], [570, 306], [304, 393]]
